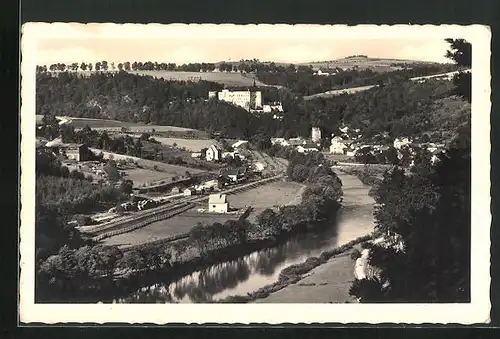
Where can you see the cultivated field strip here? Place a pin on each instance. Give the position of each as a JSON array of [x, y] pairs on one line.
[[144, 221], [164, 212]]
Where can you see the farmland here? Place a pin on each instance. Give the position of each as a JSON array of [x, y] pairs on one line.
[[193, 145], [274, 194], [229, 79], [374, 64], [179, 224], [141, 176], [260, 198], [104, 124]]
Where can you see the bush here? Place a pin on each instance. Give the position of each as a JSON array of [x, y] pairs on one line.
[[355, 254]]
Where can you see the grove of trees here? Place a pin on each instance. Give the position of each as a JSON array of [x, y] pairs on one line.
[[425, 218]]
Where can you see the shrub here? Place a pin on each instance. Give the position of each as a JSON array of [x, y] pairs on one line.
[[355, 254]]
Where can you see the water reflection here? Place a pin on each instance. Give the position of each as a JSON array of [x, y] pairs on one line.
[[260, 268], [239, 276]]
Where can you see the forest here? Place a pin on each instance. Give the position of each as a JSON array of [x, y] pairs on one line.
[[300, 79], [425, 219], [398, 107], [70, 267]]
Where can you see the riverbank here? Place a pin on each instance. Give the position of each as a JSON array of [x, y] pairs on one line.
[[327, 277], [295, 282]]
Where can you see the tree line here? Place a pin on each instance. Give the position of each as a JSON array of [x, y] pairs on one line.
[[300, 79], [424, 217], [128, 97], [76, 268], [398, 107], [304, 82]]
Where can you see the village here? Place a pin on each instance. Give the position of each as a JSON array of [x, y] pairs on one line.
[[157, 186]]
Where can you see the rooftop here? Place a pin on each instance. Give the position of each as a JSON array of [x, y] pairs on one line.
[[217, 199]]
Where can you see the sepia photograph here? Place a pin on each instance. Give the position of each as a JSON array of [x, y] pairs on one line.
[[240, 173]]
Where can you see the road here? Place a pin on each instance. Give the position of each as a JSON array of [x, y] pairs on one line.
[[353, 90]]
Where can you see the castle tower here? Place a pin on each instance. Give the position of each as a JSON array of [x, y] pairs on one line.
[[316, 134]]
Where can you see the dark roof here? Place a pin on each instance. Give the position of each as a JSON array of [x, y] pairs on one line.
[[235, 171]]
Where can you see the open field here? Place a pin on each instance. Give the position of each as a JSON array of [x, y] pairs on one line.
[[336, 92], [179, 224], [375, 64], [446, 76], [278, 193], [229, 79], [100, 124], [329, 282], [193, 145], [160, 167], [142, 176]]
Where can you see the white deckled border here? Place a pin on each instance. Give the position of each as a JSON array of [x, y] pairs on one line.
[[475, 312]]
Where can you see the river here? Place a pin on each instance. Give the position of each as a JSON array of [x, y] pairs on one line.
[[260, 268]]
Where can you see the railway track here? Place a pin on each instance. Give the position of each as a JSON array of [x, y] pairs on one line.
[[163, 212], [143, 221]]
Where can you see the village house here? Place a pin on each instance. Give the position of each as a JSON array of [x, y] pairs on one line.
[[296, 141], [401, 142], [338, 145], [308, 147], [240, 144], [234, 155], [213, 153], [217, 203], [77, 152], [279, 141], [350, 151], [236, 174], [272, 107]]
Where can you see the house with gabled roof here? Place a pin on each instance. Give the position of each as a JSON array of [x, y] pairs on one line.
[[214, 153]]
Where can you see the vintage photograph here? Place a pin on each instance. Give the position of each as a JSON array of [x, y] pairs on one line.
[[255, 164]]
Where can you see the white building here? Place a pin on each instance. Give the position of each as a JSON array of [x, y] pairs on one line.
[[234, 155], [271, 108], [306, 148], [315, 134], [401, 142], [338, 145], [196, 155], [296, 141], [239, 144], [213, 153], [279, 141], [246, 99], [217, 203]]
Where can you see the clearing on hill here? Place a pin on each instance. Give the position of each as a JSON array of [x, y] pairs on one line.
[[362, 62], [228, 79]]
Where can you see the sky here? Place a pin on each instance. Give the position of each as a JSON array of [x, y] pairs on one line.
[[214, 43]]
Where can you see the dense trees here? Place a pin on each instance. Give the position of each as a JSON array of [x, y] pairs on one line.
[[69, 192], [425, 219], [303, 82], [461, 52], [128, 97], [399, 107]]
